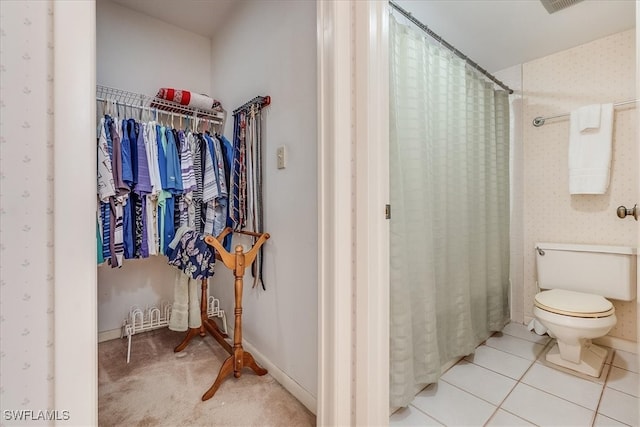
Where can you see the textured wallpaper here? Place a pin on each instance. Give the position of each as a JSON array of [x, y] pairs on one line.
[[26, 206], [598, 72]]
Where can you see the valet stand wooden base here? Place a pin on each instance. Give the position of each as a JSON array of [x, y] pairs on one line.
[[237, 262]]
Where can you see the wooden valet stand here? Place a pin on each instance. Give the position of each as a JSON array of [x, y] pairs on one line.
[[237, 262]]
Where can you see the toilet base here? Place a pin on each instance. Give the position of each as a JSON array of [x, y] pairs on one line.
[[591, 363]]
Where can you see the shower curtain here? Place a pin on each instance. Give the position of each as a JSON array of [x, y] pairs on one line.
[[449, 167]]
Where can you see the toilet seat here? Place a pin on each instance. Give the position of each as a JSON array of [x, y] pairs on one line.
[[574, 304]]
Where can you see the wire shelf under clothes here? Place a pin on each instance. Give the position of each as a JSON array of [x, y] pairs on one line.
[[154, 317], [154, 104]]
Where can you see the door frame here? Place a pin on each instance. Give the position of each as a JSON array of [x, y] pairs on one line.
[[75, 361], [353, 139]]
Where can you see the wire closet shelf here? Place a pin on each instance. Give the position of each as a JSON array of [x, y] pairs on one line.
[[156, 105]]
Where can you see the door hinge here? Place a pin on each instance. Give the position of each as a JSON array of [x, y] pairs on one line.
[[387, 211]]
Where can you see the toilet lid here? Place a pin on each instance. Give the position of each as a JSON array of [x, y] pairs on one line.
[[571, 303]]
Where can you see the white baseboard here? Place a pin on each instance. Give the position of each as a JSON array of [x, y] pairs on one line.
[[299, 392], [109, 335], [618, 344]]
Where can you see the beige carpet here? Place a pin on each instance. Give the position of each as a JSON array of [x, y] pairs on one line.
[[162, 388]]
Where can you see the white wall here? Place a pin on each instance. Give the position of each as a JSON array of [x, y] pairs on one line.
[[141, 54], [597, 72], [554, 85], [269, 48], [26, 208]]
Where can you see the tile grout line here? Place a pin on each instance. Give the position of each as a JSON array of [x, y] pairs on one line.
[[465, 391], [500, 350], [425, 413], [490, 370], [535, 342], [595, 415], [495, 372], [518, 381], [515, 415], [471, 394], [622, 369], [560, 397], [544, 346], [493, 414], [497, 407], [537, 358], [611, 366]]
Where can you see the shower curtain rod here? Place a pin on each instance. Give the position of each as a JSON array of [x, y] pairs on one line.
[[442, 41], [539, 121]]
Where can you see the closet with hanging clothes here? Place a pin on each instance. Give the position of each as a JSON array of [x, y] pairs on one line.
[[158, 170], [145, 48]]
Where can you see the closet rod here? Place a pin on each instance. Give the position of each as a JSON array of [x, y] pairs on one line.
[[539, 121], [138, 100], [262, 101], [199, 117], [442, 41]]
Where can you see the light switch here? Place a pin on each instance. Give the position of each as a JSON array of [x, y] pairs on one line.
[[282, 159]]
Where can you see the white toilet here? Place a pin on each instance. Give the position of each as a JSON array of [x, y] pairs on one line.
[[575, 279]]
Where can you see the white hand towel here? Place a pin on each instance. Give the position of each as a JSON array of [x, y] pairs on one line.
[[589, 117], [185, 311], [195, 319], [179, 320], [590, 154]]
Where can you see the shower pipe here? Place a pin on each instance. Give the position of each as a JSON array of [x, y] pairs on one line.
[[539, 121], [442, 41]]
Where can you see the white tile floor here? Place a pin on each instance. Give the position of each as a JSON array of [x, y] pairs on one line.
[[507, 382]]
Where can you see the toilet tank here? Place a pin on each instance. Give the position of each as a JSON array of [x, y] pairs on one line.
[[609, 271]]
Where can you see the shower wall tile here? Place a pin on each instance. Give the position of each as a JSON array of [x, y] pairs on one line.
[[598, 72]]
